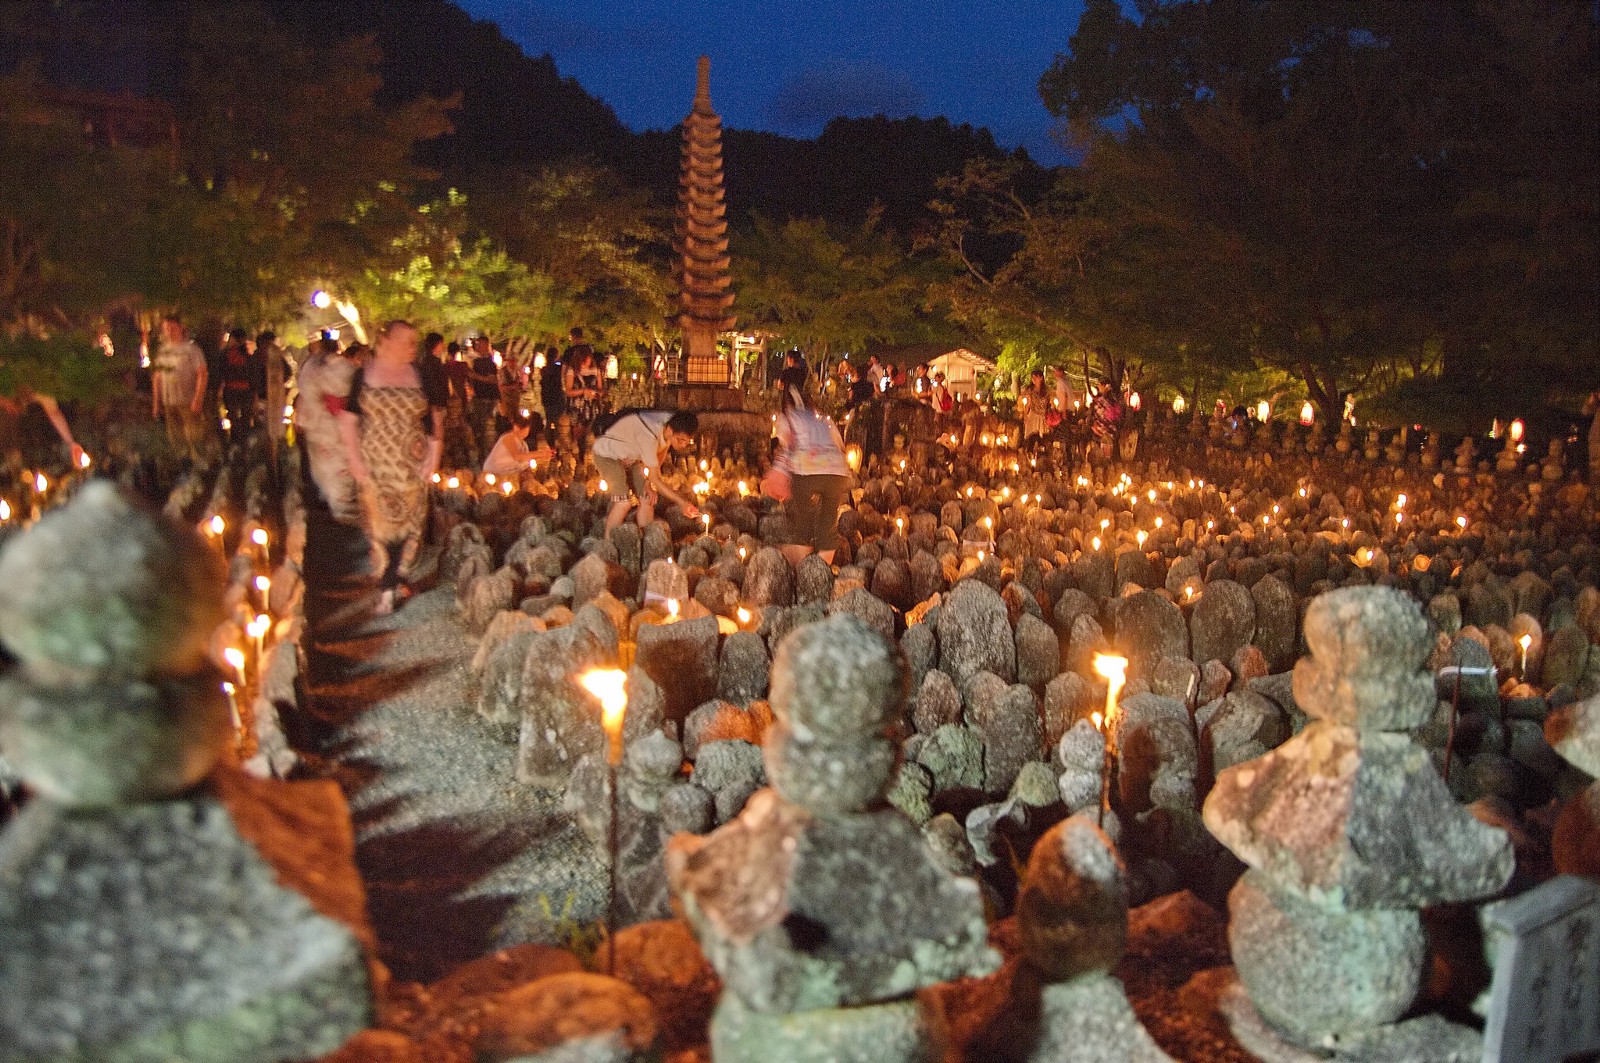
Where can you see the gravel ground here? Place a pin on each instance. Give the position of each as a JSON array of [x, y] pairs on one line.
[[458, 858]]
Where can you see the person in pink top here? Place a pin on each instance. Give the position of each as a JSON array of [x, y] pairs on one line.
[[811, 451]]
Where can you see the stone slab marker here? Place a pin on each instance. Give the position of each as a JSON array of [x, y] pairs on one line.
[[1544, 1003]]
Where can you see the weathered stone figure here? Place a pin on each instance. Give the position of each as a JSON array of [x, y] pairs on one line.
[[1072, 916], [1349, 831], [823, 910], [140, 918]]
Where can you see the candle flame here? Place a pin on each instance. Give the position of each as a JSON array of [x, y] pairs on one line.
[[610, 687], [41, 483], [263, 583], [259, 537], [1112, 666], [5, 509], [84, 461], [1461, 522], [1525, 641], [218, 525], [488, 478], [1098, 719], [744, 615], [604, 487], [1140, 536], [1094, 544], [672, 608], [453, 483], [1115, 669], [235, 658]]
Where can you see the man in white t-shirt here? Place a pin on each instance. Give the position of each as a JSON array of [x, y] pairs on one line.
[[178, 388], [629, 454]]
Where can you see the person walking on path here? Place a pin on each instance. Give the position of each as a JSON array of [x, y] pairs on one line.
[[1592, 409], [178, 391], [323, 386], [629, 454], [811, 452], [241, 381], [485, 377], [393, 430]]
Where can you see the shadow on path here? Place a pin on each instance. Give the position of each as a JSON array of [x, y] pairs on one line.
[[458, 858]]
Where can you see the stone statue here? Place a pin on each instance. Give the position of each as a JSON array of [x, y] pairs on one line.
[[143, 911], [1349, 832], [823, 910]]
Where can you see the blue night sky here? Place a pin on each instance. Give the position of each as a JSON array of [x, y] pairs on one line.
[[787, 66]]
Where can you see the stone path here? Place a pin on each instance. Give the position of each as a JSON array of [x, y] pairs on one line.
[[458, 858]]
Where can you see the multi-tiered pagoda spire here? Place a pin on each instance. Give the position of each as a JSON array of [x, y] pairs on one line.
[[701, 239]]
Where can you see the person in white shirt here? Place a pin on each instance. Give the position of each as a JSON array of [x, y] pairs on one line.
[[629, 454], [178, 390], [811, 451], [511, 454]]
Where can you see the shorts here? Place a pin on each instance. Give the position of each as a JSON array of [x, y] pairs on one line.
[[619, 478]]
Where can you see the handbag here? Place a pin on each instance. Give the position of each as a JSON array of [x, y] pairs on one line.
[[776, 484]]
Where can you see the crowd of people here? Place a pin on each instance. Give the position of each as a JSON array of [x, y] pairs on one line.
[[376, 423]]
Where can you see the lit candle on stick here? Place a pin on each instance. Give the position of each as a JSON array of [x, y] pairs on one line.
[[257, 630], [610, 687], [235, 660], [233, 703], [1525, 641], [1115, 670]]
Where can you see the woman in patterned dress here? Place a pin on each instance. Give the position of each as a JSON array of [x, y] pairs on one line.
[[393, 427]]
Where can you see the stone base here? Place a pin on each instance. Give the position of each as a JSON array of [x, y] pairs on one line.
[[574, 1017], [1314, 972], [1425, 1039], [158, 932], [1085, 1020], [906, 1031]]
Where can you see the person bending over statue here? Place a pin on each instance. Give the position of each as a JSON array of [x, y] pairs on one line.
[[629, 454]]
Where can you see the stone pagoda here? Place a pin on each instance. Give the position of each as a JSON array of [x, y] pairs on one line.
[[700, 241]]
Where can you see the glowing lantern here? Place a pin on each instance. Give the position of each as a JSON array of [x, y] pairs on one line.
[[1133, 400], [1178, 405], [1308, 414], [1516, 430], [852, 457], [1263, 411]]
